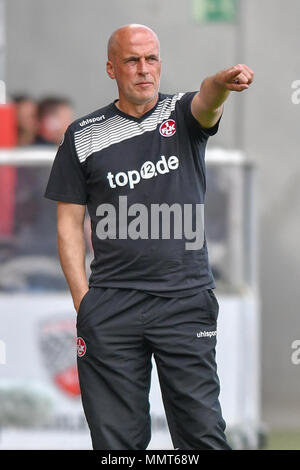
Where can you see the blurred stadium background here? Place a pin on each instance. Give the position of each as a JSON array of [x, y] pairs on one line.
[[58, 48]]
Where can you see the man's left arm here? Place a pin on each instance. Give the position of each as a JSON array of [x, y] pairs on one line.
[[207, 104]]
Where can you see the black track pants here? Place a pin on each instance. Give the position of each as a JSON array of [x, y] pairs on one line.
[[118, 331]]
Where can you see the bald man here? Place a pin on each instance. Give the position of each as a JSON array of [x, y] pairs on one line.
[[138, 165]]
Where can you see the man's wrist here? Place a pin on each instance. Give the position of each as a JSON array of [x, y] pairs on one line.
[[219, 84], [213, 93]]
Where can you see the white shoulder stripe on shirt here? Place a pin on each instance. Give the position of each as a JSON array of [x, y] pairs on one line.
[[116, 129]]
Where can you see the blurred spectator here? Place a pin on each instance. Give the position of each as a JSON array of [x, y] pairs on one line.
[[54, 116], [31, 219], [35, 221], [27, 122]]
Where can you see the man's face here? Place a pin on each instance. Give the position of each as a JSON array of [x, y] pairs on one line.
[[27, 116], [64, 117], [53, 126], [135, 65]]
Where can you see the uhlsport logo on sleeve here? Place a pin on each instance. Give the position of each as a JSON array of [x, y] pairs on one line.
[[206, 334]]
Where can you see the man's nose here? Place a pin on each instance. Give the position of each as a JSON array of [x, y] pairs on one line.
[[142, 67]]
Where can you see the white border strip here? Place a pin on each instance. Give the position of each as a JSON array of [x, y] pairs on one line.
[[32, 156]]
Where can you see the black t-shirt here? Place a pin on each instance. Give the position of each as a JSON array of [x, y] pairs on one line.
[[143, 181]]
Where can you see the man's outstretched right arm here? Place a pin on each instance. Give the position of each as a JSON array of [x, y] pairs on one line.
[[71, 248]]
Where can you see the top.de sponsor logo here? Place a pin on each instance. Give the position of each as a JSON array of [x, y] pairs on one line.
[[148, 170]]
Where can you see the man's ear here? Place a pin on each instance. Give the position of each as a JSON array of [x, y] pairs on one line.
[[110, 69]]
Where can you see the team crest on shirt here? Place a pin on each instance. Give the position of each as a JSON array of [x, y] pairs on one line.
[[168, 128], [81, 346]]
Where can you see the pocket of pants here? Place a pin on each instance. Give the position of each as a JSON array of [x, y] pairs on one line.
[[82, 302], [213, 304], [91, 299]]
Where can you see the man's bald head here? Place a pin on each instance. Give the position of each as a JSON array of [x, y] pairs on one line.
[[124, 34], [134, 62]]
